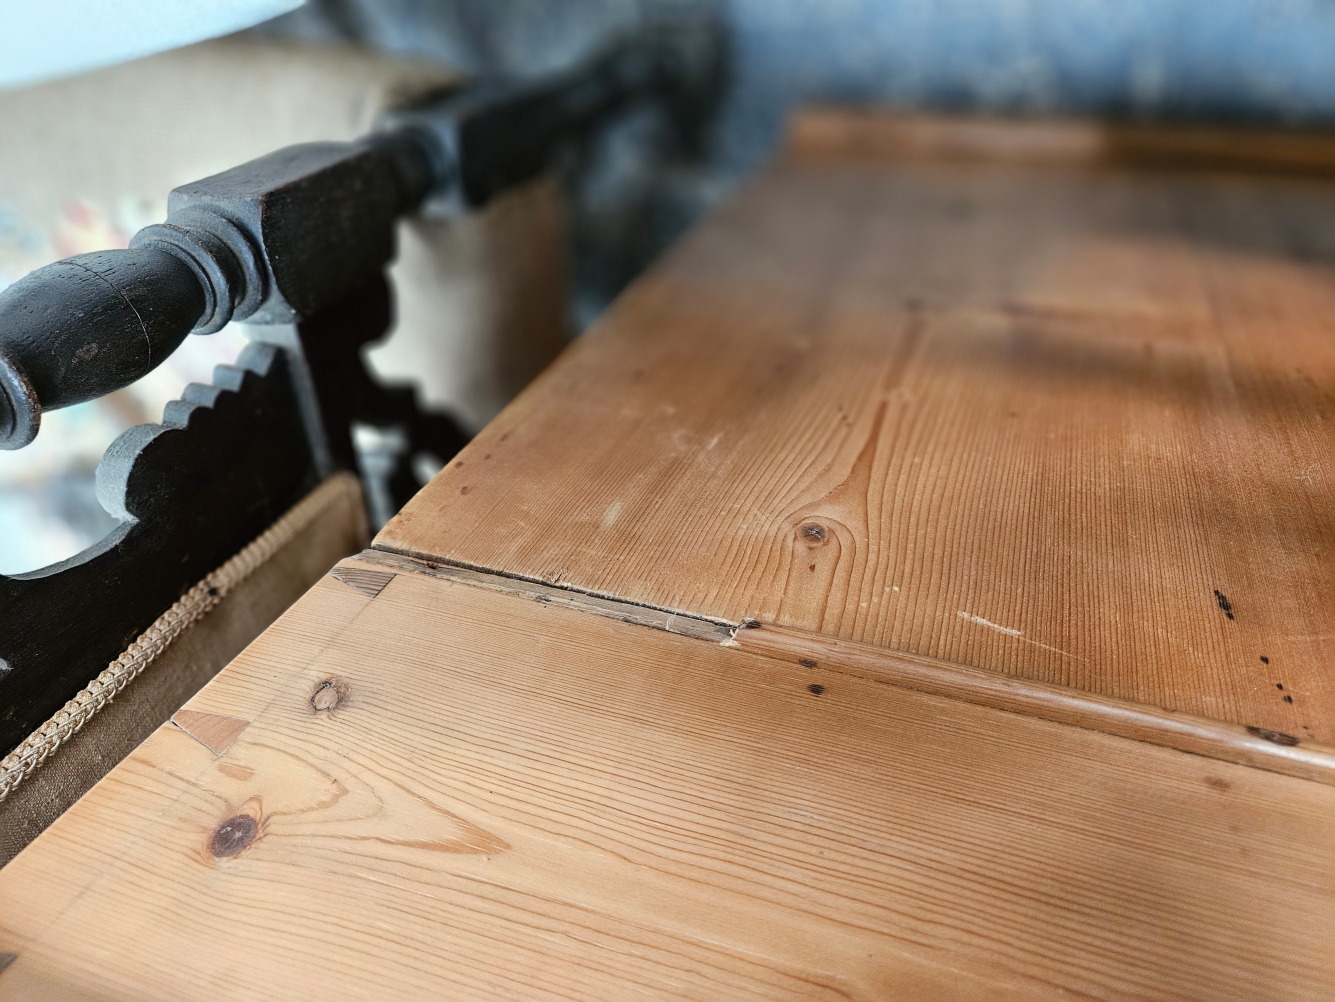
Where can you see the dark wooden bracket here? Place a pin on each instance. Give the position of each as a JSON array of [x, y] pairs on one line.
[[226, 462]]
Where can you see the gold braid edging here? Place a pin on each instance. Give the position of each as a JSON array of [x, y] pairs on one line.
[[42, 743]]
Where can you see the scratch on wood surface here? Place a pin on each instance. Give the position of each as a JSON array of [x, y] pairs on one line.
[[1018, 634], [1055, 650], [989, 624]]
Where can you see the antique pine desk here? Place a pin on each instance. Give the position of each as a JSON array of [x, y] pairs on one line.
[[921, 585]]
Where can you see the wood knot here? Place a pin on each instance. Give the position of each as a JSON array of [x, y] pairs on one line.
[[233, 835], [329, 695], [813, 534]]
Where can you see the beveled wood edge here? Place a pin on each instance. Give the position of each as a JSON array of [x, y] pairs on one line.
[[686, 625], [1250, 746], [878, 133]]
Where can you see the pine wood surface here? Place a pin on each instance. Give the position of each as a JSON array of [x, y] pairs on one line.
[[452, 792], [1252, 746], [1064, 422], [1198, 735]]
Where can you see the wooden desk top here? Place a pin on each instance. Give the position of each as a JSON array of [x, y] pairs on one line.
[[978, 442], [1066, 422], [451, 792]]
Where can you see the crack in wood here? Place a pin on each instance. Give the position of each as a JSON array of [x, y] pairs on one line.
[[628, 612]]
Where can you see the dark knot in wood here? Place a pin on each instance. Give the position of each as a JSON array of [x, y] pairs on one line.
[[813, 533], [233, 835]]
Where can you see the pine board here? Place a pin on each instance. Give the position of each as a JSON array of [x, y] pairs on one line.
[[460, 793], [1067, 422]]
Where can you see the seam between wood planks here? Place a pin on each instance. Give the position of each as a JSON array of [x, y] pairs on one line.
[[1249, 746], [700, 627]]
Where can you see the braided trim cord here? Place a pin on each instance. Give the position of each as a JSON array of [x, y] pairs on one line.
[[42, 743]]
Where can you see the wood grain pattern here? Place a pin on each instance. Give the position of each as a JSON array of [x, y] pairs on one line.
[[337, 530], [1252, 746], [1065, 423], [508, 799], [370, 583]]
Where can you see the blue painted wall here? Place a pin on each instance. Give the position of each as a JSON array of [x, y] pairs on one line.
[[1266, 60], [1260, 60]]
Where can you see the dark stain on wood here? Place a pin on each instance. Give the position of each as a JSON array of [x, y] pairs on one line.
[[1224, 603], [815, 688], [813, 534], [1275, 737]]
